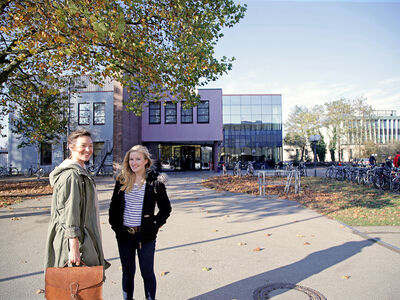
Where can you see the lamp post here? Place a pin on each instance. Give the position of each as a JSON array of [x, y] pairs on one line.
[[314, 140]]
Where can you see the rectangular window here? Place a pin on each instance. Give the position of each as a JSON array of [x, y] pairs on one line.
[[170, 113], [83, 113], [154, 113], [99, 113], [45, 154], [203, 112], [186, 115]]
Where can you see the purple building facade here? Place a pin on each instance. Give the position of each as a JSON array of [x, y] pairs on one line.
[[180, 139]]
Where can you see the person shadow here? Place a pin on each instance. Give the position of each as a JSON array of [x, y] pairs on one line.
[[293, 273]]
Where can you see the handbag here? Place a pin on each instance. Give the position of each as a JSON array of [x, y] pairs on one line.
[[74, 283]]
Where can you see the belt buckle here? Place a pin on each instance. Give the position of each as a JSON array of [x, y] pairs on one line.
[[132, 230]]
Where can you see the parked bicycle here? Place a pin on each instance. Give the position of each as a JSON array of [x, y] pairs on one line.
[[34, 171], [381, 177], [250, 169], [10, 171], [237, 170], [302, 168]]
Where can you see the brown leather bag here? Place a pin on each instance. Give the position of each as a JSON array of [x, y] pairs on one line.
[[78, 283]]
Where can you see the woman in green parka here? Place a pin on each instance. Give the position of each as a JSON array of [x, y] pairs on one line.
[[74, 233]]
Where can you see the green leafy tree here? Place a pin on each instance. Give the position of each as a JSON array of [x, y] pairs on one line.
[[321, 148], [40, 117], [295, 140], [332, 145], [151, 47]]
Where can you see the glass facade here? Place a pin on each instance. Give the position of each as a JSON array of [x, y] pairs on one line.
[[185, 157], [252, 127]]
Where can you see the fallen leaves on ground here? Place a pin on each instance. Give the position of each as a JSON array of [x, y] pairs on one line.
[[164, 273], [349, 203], [13, 191]]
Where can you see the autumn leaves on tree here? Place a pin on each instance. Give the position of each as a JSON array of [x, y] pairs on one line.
[[151, 46]]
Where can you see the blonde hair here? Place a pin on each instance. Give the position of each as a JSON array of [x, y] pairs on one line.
[[127, 177]]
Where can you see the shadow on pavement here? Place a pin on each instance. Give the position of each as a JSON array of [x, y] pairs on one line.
[[296, 272]]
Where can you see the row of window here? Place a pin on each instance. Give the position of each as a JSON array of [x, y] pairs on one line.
[[252, 109], [252, 100], [203, 113], [99, 113]]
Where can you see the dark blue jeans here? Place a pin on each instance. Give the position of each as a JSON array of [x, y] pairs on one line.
[[127, 247]]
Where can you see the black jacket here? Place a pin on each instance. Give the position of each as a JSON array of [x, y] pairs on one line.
[[155, 193]]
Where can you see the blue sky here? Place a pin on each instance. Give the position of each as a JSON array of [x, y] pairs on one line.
[[313, 52]]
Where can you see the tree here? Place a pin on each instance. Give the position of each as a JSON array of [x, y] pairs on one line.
[[332, 144], [362, 116], [347, 123], [338, 114], [321, 148], [297, 141], [40, 118], [151, 47], [302, 122]]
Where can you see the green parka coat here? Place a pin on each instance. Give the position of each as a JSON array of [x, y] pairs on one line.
[[74, 213]]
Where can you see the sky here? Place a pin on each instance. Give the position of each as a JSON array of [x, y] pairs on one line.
[[314, 52]]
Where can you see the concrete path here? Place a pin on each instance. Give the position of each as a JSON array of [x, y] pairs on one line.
[[219, 246]]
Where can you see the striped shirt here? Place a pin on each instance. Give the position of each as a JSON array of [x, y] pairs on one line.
[[134, 206]]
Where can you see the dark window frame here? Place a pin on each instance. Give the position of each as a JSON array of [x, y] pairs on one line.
[[94, 113], [151, 121], [202, 115], [79, 114], [184, 114], [166, 109], [46, 160]]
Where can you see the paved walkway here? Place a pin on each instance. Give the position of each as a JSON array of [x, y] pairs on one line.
[[207, 249]]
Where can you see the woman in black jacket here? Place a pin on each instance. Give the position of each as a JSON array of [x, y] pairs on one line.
[[133, 219]]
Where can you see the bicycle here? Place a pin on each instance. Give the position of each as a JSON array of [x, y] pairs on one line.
[[10, 171], [302, 168], [33, 171], [250, 169], [237, 171]]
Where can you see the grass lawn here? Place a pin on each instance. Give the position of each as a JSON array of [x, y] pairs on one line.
[[349, 203]]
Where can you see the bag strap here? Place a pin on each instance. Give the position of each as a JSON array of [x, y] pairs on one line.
[[83, 212]]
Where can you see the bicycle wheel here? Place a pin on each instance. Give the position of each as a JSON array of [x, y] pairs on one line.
[[14, 171], [40, 172], [340, 176], [396, 185], [28, 172]]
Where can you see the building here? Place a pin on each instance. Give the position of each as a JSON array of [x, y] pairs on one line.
[[252, 128], [92, 110], [220, 127], [183, 139], [382, 127]]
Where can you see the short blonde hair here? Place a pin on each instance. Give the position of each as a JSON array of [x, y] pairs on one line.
[[127, 177]]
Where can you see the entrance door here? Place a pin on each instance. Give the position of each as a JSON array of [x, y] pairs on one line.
[[188, 158]]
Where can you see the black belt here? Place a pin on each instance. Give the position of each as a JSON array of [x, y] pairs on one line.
[[132, 230]]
